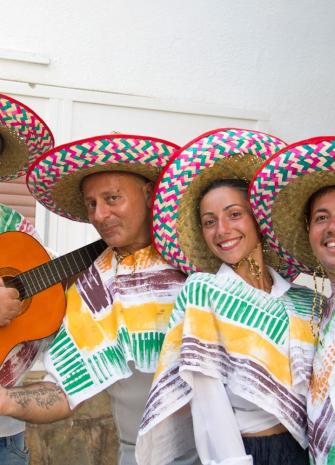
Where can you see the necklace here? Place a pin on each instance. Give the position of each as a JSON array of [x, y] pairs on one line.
[[119, 257], [254, 268], [318, 303]]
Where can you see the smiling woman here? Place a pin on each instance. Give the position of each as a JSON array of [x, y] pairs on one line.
[[228, 225], [239, 346]]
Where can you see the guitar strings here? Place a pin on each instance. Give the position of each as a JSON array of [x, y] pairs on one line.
[[54, 271]]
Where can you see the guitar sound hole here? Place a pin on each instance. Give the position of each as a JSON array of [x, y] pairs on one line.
[[12, 281]]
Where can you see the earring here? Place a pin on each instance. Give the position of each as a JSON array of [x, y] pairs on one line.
[[318, 301]]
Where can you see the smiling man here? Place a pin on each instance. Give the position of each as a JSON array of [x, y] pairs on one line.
[[118, 310], [118, 206], [293, 196], [321, 226], [320, 217]]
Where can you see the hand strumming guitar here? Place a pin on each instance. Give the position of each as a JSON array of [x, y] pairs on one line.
[[10, 304]]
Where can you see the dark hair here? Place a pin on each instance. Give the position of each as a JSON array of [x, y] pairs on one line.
[[310, 202], [238, 184]]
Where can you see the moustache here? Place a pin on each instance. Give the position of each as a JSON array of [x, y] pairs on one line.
[[328, 235]]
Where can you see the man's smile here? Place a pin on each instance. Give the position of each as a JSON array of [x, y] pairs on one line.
[[329, 243]]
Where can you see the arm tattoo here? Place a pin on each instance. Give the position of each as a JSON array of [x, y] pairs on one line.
[[43, 396]]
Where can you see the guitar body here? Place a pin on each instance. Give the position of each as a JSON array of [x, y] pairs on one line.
[[25, 265], [42, 313]]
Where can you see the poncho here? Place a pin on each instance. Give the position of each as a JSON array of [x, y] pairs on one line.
[[259, 345], [116, 313], [321, 397]]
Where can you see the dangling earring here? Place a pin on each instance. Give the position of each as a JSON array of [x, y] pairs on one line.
[[317, 303], [254, 268]]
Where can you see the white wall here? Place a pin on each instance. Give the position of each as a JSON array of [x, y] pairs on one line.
[[274, 56], [268, 63], [74, 114]]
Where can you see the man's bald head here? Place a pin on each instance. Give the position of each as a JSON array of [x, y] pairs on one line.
[[119, 206]]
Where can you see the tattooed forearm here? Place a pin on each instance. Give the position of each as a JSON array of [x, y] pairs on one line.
[[42, 402], [44, 397]]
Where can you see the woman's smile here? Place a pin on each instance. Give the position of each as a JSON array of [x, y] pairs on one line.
[[228, 225], [229, 244]]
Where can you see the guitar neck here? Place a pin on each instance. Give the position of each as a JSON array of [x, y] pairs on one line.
[[44, 276]]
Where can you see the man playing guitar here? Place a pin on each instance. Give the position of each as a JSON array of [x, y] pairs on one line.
[[23, 137]]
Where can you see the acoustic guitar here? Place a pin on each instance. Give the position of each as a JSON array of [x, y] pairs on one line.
[[26, 266]]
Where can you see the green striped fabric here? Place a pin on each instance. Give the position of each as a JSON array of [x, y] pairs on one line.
[[243, 304], [107, 363]]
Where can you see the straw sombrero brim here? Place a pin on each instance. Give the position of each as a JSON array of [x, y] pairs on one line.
[[25, 136], [55, 178], [219, 154], [280, 191]]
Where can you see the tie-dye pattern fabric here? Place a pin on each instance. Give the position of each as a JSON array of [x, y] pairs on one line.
[[260, 346], [116, 313], [321, 397]]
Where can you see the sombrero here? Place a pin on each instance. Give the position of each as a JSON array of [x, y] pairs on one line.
[[54, 179], [280, 191], [24, 136], [218, 154]]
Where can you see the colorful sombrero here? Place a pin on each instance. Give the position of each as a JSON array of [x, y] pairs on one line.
[[24, 136], [280, 191], [54, 179], [218, 154]]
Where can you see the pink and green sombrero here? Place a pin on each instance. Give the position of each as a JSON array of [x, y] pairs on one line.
[[217, 154], [24, 136], [280, 191], [54, 179]]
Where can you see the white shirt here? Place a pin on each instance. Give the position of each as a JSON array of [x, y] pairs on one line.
[[217, 425]]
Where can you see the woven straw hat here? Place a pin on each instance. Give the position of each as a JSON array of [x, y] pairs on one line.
[[280, 191], [24, 136], [218, 154], [55, 178]]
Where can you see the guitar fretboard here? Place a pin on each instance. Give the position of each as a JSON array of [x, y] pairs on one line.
[[44, 276]]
